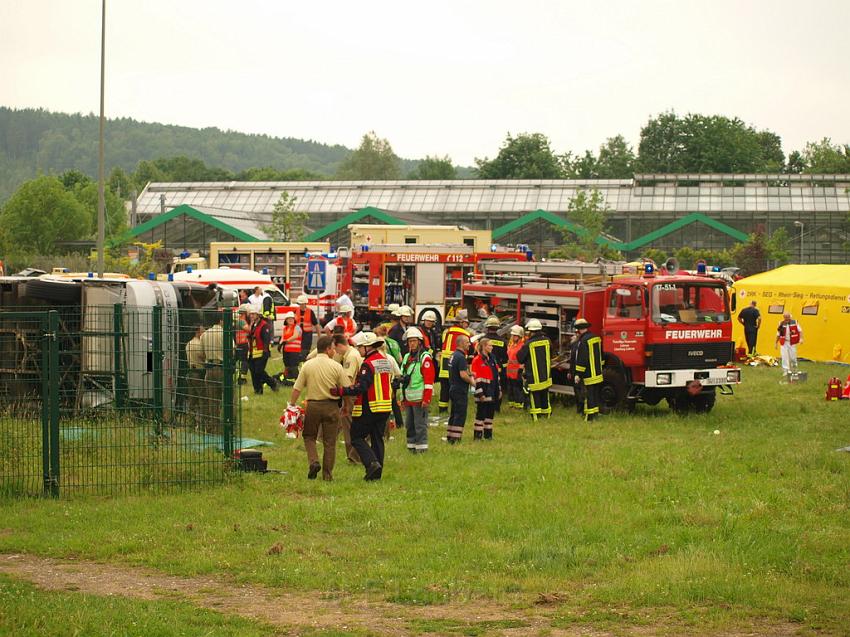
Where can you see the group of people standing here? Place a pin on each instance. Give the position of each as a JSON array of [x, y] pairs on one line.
[[363, 382], [789, 334]]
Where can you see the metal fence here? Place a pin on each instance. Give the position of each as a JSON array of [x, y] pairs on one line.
[[104, 400]]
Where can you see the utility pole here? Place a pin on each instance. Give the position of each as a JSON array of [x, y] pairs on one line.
[[101, 198]]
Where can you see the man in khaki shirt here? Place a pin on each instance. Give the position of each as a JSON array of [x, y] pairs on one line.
[[319, 381], [351, 360], [212, 341], [195, 375]]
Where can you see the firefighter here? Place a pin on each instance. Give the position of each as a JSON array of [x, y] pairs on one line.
[[588, 367], [789, 334], [259, 342], [448, 343], [459, 381], [405, 316], [417, 388], [516, 396], [372, 406], [535, 356], [343, 319], [240, 338], [290, 345], [390, 318], [462, 320], [430, 333], [308, 322], [485, 372], [500, 352], [264, 300]]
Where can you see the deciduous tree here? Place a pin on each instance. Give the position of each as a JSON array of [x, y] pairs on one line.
[[373, 159], [526, 156], [434, 168], [287, 224]]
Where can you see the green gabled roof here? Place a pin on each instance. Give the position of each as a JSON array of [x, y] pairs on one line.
[[189, 211], [681, 223], [555, 220], [549, 217], [354, 217]]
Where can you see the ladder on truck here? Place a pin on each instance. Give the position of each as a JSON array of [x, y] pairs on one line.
[[548, 274]]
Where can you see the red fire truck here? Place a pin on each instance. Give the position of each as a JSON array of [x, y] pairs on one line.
[[665, 335], [425, 277]]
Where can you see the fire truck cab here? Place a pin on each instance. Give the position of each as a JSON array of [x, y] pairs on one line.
[[664, 336]]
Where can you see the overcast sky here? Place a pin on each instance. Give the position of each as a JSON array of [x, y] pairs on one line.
[[440, 77]]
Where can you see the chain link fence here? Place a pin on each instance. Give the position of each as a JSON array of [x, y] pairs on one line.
[[116, 399]]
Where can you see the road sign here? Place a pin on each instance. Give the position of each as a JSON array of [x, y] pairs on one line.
[[317, 276]]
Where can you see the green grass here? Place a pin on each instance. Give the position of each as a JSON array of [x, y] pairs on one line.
[[632, 521], [29, 611]]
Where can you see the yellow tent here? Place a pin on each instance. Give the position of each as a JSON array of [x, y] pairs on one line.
[[817, 296]]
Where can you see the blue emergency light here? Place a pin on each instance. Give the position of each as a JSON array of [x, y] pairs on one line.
[[151, 276], [91, 275], [701, 269], [715, 268], [185, 254], [189, 269], [648, 269], [265, 271]]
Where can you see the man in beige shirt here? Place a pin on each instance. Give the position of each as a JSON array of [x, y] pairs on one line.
[[212, 341], [195, 376], [319, 381], [351, 360]]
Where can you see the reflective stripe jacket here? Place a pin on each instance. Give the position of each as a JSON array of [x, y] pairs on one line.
[[260, 338], [449, 346], [514, 365], [242, 333], [535, 355], [295, 344], [420, 368], [588, 361], [485, 372], [793, 331], [500, 351], [373, 387]]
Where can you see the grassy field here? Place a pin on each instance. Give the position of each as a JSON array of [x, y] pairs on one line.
[[647, 523]]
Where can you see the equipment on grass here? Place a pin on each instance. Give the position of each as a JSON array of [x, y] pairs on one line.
[[251, 460], [292, 420], [833, 389]]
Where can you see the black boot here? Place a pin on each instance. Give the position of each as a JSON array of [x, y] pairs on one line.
[[373, 472]]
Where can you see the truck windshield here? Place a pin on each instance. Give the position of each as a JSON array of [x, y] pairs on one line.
[[689, 302]]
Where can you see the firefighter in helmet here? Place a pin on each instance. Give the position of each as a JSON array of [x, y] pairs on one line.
[[587, 368], [447, 347], [499, 353], [513, 369], [535, 356], [429, 330]]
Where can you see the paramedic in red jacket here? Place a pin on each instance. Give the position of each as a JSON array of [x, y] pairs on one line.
[[788, 336]]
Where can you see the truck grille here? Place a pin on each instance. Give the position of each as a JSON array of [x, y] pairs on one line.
[[690, 355]]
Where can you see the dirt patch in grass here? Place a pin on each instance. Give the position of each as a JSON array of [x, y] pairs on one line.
[[297, 612]]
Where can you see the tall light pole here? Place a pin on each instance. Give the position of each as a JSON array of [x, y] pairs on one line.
[[800, 225], [101, 199]]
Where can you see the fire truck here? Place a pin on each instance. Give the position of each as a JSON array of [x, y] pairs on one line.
[[666, 334], [425, 277]]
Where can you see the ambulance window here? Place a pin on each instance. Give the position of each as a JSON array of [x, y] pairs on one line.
[[810, 310], [625, 302], [776, 309]]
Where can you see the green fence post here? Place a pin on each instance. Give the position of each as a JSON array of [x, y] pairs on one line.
[[45, 402], [156, 355], [53, 400], [118, 388], [227, 364]]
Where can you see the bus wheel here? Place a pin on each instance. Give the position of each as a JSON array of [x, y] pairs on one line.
[[613, 390]]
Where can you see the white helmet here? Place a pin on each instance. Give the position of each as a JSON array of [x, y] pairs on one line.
[[430, 315], [288, 315], [405, 310], [516, 330], [462, 315], [357, 339], [413, 332], [302, 299], [392, 308], [245, 308], [534, 325], [492, 321], [345, 309], [370, 339]]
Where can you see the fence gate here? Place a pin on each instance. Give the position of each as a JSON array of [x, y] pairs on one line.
[[104, 400], [29, 408]]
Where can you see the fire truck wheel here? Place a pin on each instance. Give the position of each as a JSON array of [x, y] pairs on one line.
[[613, 391]]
